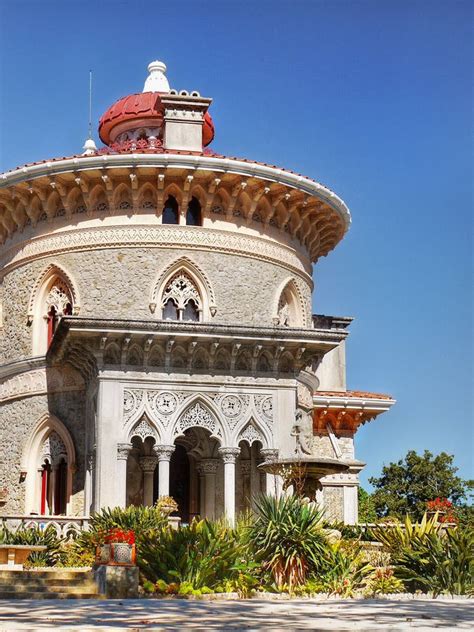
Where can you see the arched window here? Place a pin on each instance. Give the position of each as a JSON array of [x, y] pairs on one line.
[[289, 312], [170, 211], [53, 476], [58, 302], [181, 299], [193, 215]]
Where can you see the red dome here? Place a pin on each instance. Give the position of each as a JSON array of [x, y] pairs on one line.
[[144, 105]]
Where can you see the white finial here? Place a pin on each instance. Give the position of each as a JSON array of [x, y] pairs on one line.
[[156, 80], [89, 147]]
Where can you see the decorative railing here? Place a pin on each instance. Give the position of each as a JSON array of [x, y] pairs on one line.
[[66, 526]]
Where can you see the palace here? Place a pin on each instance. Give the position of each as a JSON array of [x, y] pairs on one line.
[[157, 336]]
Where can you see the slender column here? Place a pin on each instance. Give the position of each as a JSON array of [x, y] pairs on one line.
[[246, 480], [272, 480], [148, 465], [164, 452], [202, 491], [255, 487], [123, 450], [209, 469], [89, 483], [229, 456]]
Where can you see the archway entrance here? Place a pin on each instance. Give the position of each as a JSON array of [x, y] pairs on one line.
[[180, 479]]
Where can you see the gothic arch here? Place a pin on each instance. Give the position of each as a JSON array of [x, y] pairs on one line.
[[250, 430], [197, 276], [47, 426], [290, 308], [146, 197], [122, 198], [144, 428], [53, 274], [198, 412]]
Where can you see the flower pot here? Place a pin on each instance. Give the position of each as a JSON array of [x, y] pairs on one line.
[[102, 554], [123, 554]]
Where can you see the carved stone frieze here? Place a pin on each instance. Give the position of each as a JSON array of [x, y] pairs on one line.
[[38, 381]]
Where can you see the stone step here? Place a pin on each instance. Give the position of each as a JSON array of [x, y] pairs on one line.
[[57, 574], [49, 595], [89, 586], [42, 581]]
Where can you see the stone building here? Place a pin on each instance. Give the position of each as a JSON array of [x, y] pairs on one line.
[[156, 327]]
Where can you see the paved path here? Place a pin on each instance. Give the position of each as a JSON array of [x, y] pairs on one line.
[[297, 614]]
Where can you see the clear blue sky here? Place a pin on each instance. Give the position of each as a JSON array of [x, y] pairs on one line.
[[371, 98]]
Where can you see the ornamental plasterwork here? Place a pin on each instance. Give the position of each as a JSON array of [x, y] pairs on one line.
[[98, 238], [181, 289], [197, 415], [251, 434], [143, 430], [264, 406], [39, 381], [165, 403], [232, 406], [58, 297]]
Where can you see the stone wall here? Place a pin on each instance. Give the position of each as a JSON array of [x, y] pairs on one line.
[[17, 421], [117, 283]]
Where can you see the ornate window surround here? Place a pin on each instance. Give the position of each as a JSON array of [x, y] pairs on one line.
[[30, 463], [294, 315], [185, 265]]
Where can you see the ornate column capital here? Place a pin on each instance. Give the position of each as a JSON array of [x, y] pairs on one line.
[[164, 452], [208, 466], [148, 463], [123, 450], [229, 455], [269, 454]]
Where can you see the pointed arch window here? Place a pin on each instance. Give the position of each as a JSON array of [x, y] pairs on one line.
[[53, 470], [193, 214], [58, 302], [289, 312], [181, 299], [170, 211]]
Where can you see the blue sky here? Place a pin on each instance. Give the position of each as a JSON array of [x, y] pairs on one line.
[[370, 98]]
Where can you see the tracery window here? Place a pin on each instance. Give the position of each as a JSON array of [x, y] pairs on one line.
[[181, 299], [193, 215], [170, 211], [58, 303], [289, 308], [53, 476]]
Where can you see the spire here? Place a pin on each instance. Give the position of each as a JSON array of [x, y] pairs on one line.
[[90, 146], [156, 80]]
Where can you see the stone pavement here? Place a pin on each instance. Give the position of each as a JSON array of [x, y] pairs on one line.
[[255, 614]]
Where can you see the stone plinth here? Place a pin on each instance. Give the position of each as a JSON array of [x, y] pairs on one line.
[[117, 582]]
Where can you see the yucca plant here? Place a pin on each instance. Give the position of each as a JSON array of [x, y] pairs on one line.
[[288, 538]]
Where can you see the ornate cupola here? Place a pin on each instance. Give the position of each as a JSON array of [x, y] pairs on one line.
[[158, 118]]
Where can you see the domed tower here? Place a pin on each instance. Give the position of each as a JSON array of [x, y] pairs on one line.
[[156, 331]]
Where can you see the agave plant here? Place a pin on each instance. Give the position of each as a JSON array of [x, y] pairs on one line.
[[288, 538]]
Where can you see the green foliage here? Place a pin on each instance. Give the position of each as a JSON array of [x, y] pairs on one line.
[[384, 582], [74, 555], [406, 486], [344, 570], [202, 554], [367, 511], [288, 538], [139, 519], [430, 558], [148, 587], [38, 537]]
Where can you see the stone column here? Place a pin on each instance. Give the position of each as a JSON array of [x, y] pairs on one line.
[[164, 452], [89, 483], [273, 484], [123, 450], [148, 465], [246, 480], [229, 455], [208, 469], [255, 487]]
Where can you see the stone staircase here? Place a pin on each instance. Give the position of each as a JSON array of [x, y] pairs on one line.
[[48, 584]]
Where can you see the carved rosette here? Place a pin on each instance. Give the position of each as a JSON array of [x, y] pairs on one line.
[[164, 452], [229, 455], [148, 463], [264, 406], [123, 450]]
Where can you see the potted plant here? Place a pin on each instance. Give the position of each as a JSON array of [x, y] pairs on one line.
[[442, 508], [118, 548], [166, 505]]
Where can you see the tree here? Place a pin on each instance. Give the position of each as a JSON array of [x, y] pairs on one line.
[[366, 506], [406, 486]]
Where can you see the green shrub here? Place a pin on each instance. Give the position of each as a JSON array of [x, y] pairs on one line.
[[148, 587], [384, 582], [38, 537], [74, 555], [429, 558], [288, 539], [343, 570], [201, 554]]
